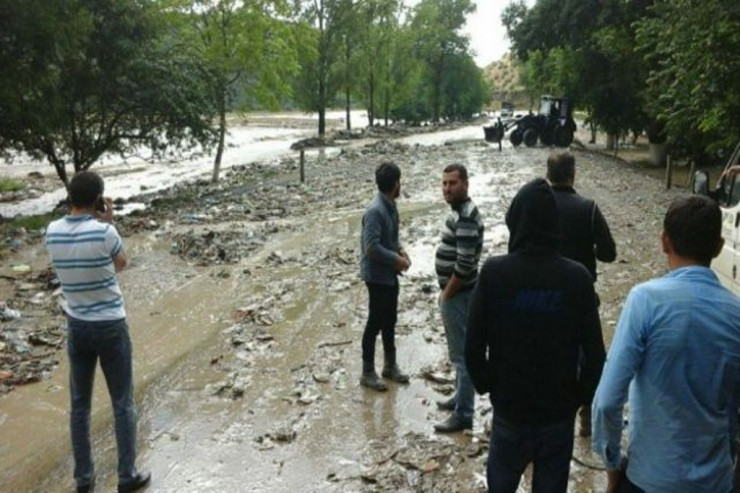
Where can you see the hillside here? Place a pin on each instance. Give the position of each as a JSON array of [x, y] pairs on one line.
[[504, 78]]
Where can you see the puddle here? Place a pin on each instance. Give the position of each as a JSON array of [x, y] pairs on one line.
[[249, 371]]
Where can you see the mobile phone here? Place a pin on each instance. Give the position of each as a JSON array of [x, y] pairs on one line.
[[100, 204]]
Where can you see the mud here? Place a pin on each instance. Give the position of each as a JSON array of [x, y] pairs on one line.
[[257, 389]]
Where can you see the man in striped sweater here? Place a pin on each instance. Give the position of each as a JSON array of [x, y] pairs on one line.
[[456, 264], [87, 252]]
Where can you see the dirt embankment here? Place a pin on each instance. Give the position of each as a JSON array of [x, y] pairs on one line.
[[277, 387]]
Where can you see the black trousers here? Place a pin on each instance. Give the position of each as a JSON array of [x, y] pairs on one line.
[[381, 319]]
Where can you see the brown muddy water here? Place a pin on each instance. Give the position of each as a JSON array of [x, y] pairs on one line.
[[247, 373]]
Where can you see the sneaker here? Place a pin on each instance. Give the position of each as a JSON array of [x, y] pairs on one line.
[[140, 480], [453, 424]]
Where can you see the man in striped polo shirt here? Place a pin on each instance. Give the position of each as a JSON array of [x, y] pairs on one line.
[[87, 252], [456, 264]]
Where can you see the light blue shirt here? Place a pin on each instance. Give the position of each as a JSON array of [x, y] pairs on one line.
[[677, 349], [82, 250]]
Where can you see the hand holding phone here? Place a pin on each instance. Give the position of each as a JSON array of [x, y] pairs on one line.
[[104, 209]]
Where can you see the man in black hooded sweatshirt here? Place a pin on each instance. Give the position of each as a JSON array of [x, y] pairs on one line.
[[531, 313]]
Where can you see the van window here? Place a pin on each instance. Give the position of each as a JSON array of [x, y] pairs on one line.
[[734, 195]]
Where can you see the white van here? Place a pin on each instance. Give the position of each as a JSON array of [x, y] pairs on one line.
[[727, 193]]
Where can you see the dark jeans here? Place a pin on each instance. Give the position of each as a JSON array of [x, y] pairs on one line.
[[109, 342], [514, 446], [381, 319]]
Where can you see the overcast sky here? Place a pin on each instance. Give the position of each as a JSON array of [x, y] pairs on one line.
[[487, 34]]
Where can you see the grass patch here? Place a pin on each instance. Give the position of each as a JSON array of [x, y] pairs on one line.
[[10, 184], [29, 223]]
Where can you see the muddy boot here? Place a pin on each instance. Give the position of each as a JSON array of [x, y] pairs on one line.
[[391, 370], [370, 379], [584, 418]]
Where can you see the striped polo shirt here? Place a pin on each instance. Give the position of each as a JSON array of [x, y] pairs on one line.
[[82, 251], [462, 242]]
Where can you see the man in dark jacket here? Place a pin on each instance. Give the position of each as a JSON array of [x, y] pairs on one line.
[[383, 260], [584, 233], [533, 311]]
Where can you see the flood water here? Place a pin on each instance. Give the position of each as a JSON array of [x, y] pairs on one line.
[[134, 175]]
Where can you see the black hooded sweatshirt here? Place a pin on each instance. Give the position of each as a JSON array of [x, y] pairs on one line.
[[531, 313]]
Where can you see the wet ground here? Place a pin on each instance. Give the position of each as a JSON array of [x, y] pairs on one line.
[[247, 312]]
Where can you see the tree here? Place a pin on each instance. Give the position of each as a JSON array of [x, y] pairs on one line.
[[319, 53], [437, 24], [86, 77], [349, 42], [246, 52], [379, 32], [693, 85], [465, 89], [594, 41]]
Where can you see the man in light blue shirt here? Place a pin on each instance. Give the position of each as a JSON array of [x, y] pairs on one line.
[[677, 350], [87, 253]]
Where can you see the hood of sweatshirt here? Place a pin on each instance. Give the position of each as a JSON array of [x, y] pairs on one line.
[[533, 219]]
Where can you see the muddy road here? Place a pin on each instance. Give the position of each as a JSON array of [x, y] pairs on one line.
[[246, 312]]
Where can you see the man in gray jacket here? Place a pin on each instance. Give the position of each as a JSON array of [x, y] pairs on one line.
[[382, 261]]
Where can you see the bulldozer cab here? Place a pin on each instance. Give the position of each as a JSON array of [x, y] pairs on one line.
[[547, 105], [551, 107]]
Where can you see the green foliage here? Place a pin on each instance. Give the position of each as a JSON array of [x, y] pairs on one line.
[[379, 45], [465, 89], [436, 27], [91, 76], [244, 52], [694, 84], [320, 34], [10, 184], [584, 50]]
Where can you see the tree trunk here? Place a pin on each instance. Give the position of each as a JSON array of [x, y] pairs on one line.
[[322, 121], [61, 172], [220, 149], [611, 140], [435, 103], [371, 109], [322, 104], [387, 105], [592, 127], [658, 154], [348, 101]]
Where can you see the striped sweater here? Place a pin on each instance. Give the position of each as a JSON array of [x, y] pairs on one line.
[[462, 242], [82, 251]]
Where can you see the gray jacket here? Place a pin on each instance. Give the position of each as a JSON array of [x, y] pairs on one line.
[[379, 244]]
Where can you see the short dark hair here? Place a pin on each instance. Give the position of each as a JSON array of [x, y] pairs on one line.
[[85, 189], [387, 174], [561, 167], [460, 168], [694, 226]]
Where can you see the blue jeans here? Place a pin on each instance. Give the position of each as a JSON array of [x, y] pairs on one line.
[[455, 320], [109, 342], [514, 446]]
